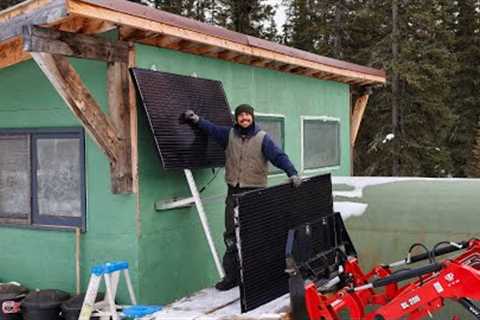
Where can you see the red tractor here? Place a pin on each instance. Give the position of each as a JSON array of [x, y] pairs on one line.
[[326, 279]]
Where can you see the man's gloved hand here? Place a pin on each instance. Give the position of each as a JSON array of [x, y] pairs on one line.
[[295, 180], [191, 116]]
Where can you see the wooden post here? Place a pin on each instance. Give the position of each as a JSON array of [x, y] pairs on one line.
[[119, 105], [358, 110]]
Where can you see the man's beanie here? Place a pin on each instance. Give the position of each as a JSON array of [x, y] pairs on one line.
[[244, 108]]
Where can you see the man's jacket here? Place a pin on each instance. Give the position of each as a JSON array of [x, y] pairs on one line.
[[247, 154]]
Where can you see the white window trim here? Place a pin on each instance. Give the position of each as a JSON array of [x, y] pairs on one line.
[[302, 145], [275, 116]]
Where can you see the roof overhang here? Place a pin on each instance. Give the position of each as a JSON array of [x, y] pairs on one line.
[[150, 26]]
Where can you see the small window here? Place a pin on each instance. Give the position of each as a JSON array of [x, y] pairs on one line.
[[42, 177], [321, 143], [274, 125]]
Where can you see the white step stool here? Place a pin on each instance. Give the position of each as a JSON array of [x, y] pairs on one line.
[[107, 309]]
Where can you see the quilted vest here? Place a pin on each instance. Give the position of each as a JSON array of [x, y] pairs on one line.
[[245, 164]]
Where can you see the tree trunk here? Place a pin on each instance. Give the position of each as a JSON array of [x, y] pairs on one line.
[[395, 90]]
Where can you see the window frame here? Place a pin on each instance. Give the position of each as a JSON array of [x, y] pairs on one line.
[[328, 168], [275, 117], [34, 220]]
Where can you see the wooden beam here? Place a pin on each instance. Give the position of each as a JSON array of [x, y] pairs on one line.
[[119, 107], [11, 52], [70, 87], [38, 39], [260, 62], [132, 106], [93, 11], [228, 55], [32, 12], [358, 110], [204, 50]]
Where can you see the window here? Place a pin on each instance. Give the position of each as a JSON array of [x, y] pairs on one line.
[[321, 142], [274, 125], [42, 177]]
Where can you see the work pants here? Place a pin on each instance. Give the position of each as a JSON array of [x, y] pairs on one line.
[[231, 264]]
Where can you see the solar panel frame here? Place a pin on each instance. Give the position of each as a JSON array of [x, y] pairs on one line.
[[165, 97], [264, 218]]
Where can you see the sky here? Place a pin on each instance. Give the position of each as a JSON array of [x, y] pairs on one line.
[[280, 15]]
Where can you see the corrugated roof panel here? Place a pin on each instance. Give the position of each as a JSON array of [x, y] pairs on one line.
[[264, 218], [165, 96]]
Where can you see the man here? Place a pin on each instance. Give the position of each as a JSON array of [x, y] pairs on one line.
[[247, 151]]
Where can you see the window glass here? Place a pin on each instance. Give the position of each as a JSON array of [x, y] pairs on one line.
[[274, 126], [14, 177], [42, 177], [59, 177], [321, 139]]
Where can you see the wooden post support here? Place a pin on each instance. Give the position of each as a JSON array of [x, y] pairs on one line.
[[70, 87], [358, 110], [119, 105]]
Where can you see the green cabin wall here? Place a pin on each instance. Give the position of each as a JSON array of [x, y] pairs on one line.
[[174, 259], [46, 258]]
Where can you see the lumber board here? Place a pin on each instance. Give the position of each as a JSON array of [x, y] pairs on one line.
[[37, 39], [34, 13], [70, 87], [358, 111], [119, 107], [11, 52], [89, 10]]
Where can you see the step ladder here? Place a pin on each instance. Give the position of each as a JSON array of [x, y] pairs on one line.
[[108, 309]]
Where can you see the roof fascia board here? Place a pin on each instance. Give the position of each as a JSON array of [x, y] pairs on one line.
[[90, 10], [35, 12]]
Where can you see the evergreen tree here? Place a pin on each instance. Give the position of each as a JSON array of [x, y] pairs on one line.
[[252, 17], [465, 102], [9, 3]]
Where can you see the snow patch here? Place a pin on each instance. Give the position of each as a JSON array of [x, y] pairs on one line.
[[349, 209]]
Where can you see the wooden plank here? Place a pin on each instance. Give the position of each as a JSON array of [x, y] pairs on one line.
[[358, 110], [132, 106], [34, 13], [70, 87], [118, 87], [11, 52], [89, 10], [51, 41]]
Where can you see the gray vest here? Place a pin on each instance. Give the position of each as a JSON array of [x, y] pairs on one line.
[[245, 164]]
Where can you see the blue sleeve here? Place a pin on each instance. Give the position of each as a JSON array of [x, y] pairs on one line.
[[218, 133], [277, 157]]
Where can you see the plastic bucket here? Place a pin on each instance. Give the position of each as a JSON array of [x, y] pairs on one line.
[[71, 308], [11, 296], [44, 304]]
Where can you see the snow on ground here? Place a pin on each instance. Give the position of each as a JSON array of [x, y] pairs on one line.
[[211, 304]]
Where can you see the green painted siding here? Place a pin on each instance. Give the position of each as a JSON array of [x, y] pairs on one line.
[[46, 258], [407, 211], [174, 259]]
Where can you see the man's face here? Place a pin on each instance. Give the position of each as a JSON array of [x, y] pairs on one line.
[[244, 119]]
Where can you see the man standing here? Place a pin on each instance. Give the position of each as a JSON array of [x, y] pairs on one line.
[[247, 151]]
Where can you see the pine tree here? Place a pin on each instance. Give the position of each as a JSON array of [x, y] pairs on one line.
[[423, 119], [9, 3], [252, 17], [465, 137]]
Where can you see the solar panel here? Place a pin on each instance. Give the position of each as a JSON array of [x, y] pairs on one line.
[[264, 218], [165, 96]]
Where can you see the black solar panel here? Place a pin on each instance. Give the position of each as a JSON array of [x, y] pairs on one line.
[[264, 218], [165, 96]]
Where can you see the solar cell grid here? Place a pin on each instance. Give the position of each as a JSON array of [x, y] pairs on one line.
[[165, 96], [264, 218]]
